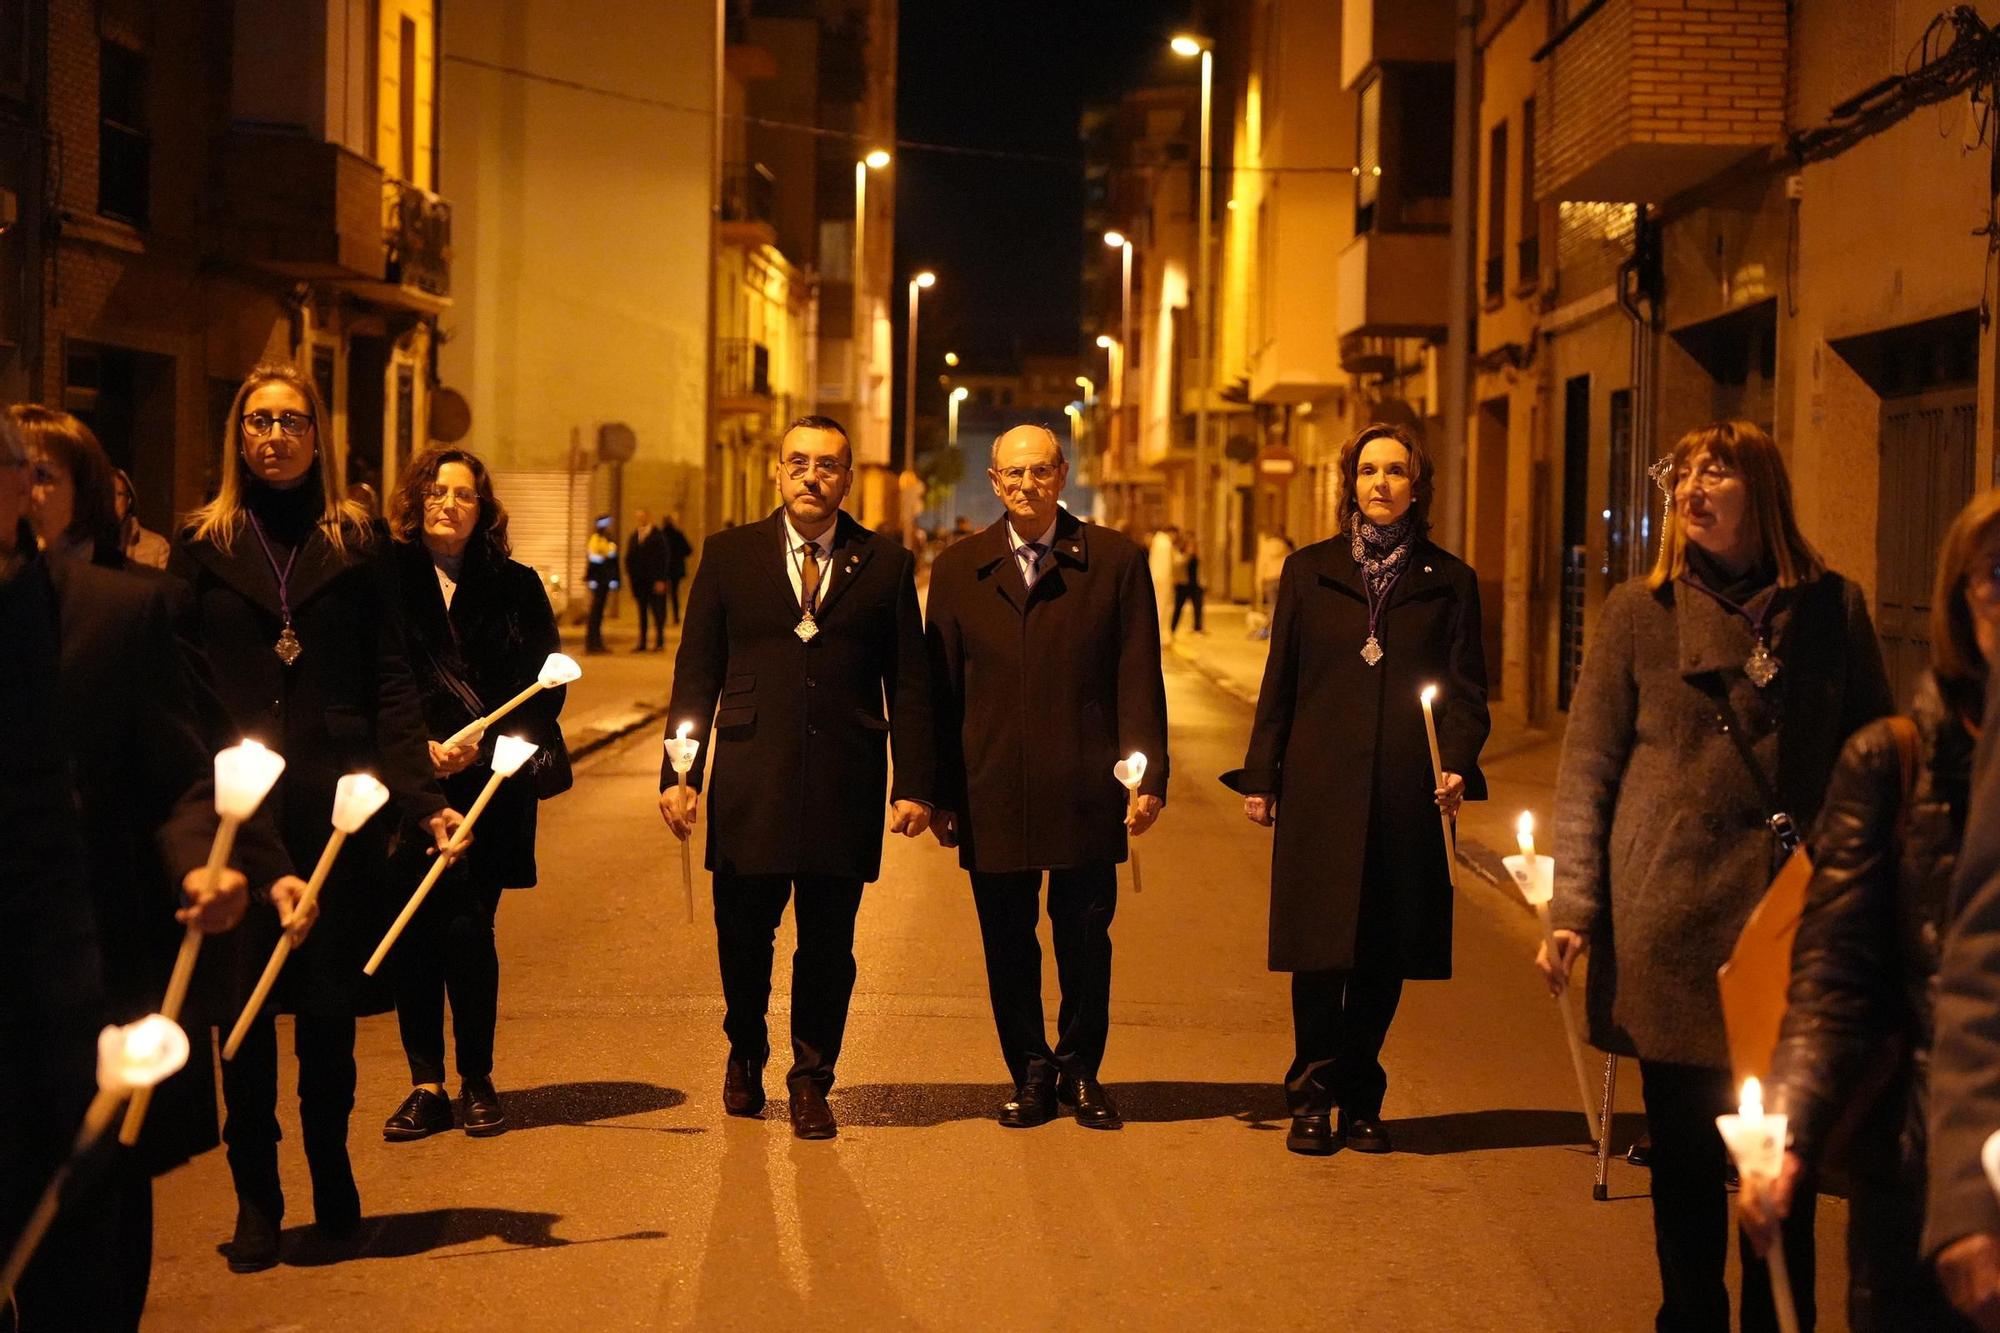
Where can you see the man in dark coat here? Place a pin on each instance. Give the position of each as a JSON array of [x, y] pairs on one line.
[[799, 625], [646, 570], [678, 551], [1045, 645]]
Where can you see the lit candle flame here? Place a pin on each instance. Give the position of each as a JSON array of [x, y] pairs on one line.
[[681, 733], [1752, 1107], [1430, 694], [1524, 833]]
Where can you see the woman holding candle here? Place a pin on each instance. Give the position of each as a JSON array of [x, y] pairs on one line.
[[1858, 1029], [1708, 715], [1361, 883], [292, 608], [479, 628]]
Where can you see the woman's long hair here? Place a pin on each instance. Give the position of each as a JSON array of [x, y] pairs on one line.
[[75, 448], [406, 508], [1956, 661], [1744, 448], [218, 521]]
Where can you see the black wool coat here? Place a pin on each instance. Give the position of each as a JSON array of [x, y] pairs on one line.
[[349, 703], [646, 559], [143, 757], [470, 659], [795, 736], [1038, 693], [1358, 864]]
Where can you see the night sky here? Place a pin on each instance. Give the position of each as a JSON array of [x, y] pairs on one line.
[[1005, 236]]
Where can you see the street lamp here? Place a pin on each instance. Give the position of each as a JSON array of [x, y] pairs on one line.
[[1119, 241], [1114, 352], [863, 343], [1188, 47], [958, 395], [1089, 387], [1075, 415], [951, 358], [917, 284]]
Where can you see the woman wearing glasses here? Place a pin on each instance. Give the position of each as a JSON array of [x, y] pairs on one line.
[[291, 604], [479, 627]]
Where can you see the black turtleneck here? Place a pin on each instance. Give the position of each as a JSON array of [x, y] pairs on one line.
[[1706, 570], [286, 517]]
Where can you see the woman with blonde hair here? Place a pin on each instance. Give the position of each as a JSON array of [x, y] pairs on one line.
[[293, 609], [1712, 705]]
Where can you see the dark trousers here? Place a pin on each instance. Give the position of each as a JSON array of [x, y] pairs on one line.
[[748, 909], [1691, 1213], [324, 1045], [1082, 900], [1339, 1021], [594, 633], [673, 596], [1184, 595], [448, 950], [653, 605]]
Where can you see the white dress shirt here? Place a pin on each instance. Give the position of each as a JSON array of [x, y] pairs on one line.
[[1031, 569], [795, 558]]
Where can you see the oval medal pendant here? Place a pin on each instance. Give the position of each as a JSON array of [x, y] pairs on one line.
[[288, 646], [1762, 668], [1371, 651], [806, 629]]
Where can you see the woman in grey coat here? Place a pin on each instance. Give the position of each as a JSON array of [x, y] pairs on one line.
[[1712, 705]]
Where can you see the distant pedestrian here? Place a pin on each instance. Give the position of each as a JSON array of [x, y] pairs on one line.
[[1046, 662], [1857, 1035], [646, 569], [1160, 564], [679, 548], [142, 545], [1714, 700], [1361, 880], [801, 669], [479, 627], [961, 528], [1273, 548], [600, 575], [1187, 583]]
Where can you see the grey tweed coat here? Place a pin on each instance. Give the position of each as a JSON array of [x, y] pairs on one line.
[[1660, 842]]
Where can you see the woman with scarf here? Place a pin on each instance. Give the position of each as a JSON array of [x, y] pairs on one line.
[[1711, 708], [479, 629], [1361, 883]]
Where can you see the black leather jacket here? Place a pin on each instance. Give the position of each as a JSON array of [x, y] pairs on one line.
[[1868, 942]]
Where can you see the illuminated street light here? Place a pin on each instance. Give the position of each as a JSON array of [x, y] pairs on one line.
[[958, 395], [951, 358], [1115, 239], [1105, 340], [1089, 387], [917, 284], [1188, 46], [877, 159], [925, 279]]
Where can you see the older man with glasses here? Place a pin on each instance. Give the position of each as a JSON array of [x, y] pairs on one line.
[[1045, 651], [798, 628]]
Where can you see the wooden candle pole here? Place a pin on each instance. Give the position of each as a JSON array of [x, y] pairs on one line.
[[436, 872], [1437, 773], [283, 949], [103, 1107]]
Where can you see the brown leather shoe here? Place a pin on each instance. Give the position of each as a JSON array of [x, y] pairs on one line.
[[1310, 1135], [812, 1118], [743, 1089], [1092, 1107]]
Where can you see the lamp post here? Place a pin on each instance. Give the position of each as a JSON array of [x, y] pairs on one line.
[[1119, 241], [1089, 387], [908, 480], [958, 395], [1075, 413], [1188, 47], [863, 343], [1114, 352]]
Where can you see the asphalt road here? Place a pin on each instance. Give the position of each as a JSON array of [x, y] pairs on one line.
[[623, 1198]]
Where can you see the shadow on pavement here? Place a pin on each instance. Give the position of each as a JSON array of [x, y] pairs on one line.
[[1483, 1131], [406, 1235], [924, 1105], [586, 1103]]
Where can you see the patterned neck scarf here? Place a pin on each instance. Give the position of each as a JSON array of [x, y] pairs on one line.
[[1381, 552]]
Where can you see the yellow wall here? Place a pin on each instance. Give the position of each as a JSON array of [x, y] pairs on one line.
[[389, 92]]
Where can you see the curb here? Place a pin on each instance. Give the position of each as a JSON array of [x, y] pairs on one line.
[[596, 738]]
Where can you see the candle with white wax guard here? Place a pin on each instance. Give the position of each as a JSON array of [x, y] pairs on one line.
[[1756, 1143], [681, 752], [1535, 876], [1130, 772]]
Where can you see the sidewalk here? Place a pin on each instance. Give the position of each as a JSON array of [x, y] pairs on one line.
[[621, 691], [1519, 761]]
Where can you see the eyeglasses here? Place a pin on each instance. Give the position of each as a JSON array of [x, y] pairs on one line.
[[437, 497], [823, 469], [1709, 474], [293, 424], [1042, 473]]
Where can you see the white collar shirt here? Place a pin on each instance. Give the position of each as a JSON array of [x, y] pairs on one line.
[[1031, 566], [795, 558]]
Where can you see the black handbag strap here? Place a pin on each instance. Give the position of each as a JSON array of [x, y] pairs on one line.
[[1778, 820]]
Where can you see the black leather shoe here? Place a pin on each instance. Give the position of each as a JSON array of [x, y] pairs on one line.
[[1363, 1133], [743, 1089], [254, 1247], [422, 1114], [1032, 1104], [1091, 1105], [479, 1108], [812, 1118], [1311, 1135]]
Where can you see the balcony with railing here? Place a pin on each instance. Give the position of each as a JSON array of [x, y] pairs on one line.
[[418, 226], [1643, 99]]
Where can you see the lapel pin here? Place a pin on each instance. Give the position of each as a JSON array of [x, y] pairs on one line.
[[1427, 569]]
